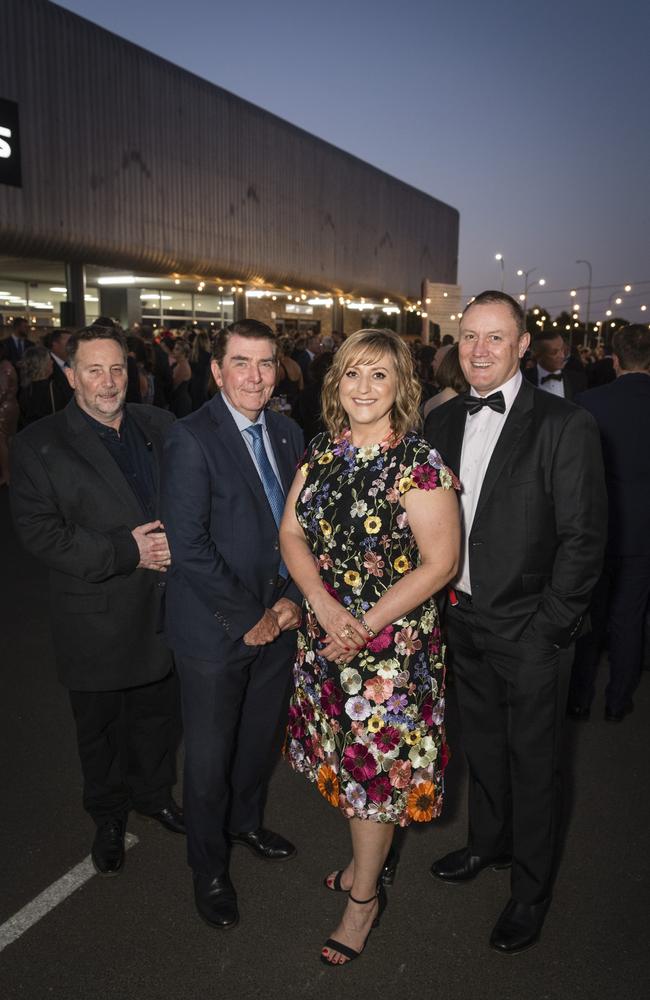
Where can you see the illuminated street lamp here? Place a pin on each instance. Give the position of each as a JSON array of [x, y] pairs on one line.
[[527, 285], [499, 257]]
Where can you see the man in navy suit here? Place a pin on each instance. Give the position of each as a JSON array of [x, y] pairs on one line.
[[230, 610], [622, 412]]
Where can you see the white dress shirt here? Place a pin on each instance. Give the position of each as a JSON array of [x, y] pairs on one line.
[[482, 432], [554, 385]]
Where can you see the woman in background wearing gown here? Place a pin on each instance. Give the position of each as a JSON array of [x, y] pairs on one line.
[[370, 533]]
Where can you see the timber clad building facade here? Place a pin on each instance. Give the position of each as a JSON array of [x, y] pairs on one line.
[[115, 164]]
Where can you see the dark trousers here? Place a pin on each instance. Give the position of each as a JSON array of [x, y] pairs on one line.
[[512, 701], [233, 708], [618, 611], [127, 744]]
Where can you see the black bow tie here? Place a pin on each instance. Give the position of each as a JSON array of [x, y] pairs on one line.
[[475, 403], [556, 376]]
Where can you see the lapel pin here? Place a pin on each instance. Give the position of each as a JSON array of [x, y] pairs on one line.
[[284, 440]]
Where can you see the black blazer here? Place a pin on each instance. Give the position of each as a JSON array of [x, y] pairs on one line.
[[75, 511], [537, 540], [573, 382], [63, 391], [622, 412], [223, 538]]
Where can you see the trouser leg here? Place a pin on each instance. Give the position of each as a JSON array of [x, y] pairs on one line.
[[99, 720], [482, 706], [259, 736], [537, 680], [626, 621], [152, 729], [212, 692]]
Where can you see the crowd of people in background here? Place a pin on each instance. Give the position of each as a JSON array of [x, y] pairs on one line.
[[170, 368]]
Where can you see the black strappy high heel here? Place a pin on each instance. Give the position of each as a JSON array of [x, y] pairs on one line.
[[344, 949]]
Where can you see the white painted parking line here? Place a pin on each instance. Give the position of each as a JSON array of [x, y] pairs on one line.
[[12, 929]]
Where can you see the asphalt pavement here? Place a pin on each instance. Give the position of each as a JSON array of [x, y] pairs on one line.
[[138, 936]]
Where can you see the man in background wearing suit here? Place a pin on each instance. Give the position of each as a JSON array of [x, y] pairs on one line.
[[622, 412], [18, 342], [549, 354], [533, 508], [84, 500], [57, 343], [230, 609]]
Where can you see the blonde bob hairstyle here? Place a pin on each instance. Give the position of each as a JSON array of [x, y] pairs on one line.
[[366, 347]]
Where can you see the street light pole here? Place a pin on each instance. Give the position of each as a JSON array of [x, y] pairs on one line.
[[588, 299], [528, 284], [499, 257]]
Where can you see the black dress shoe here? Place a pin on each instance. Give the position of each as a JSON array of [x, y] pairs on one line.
[[617, 715], [265, 844], [216, 901], [519, 926], [577, 712], [171, 817], [107, 852], [462, 865]]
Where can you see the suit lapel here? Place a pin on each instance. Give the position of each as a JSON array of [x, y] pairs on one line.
[[282, 451], [86, 442], [517, 422], [230, 437]]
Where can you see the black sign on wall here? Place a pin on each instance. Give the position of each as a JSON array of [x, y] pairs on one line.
[[9, 144]]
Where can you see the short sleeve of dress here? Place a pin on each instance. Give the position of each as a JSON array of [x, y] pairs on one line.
[[317, 447], [424, 469]]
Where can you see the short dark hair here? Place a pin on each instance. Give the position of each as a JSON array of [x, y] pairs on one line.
[[18, 321], [492, 297], [249, 328], [544, 336], [88, 333], [631, 345]]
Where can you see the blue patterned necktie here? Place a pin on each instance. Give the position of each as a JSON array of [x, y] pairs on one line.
[[272, 488]]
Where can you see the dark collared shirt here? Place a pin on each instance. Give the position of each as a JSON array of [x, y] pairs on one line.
[[134, 457]]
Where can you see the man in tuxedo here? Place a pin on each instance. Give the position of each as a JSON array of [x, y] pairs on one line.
[[549, 373], [57, 343], [622, 412], [533, 508], [83, 493], [230, 609]]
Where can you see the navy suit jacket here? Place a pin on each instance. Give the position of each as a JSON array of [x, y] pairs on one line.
[[622, 412], [221, 531]]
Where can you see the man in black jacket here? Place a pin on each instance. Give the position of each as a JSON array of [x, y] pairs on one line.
[[84, 499], [622, 412], [533, 506], [549, 372]]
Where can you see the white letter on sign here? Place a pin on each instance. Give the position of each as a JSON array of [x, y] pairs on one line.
[[5, 148]]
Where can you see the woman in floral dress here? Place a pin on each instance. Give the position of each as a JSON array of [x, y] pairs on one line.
[[370, 533]]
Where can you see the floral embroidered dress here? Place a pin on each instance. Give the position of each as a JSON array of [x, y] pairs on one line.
[[370, 734]]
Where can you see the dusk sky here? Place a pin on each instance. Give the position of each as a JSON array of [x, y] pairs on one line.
[[530, 118]]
